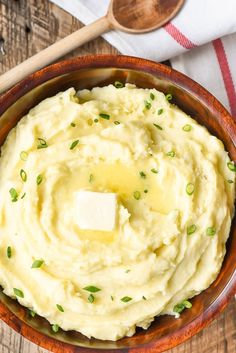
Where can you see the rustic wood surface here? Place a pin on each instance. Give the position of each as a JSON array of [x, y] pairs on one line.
[[27, 26]]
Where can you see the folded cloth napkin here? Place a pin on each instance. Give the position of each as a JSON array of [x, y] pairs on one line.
[[200, 42]]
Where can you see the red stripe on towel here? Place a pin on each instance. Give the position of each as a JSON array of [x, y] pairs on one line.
[[179, 37], [226, 74]]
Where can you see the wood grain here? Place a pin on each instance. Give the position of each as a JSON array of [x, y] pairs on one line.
[[28, 26]]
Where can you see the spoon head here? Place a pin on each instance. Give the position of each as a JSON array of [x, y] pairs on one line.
[[140, 16]]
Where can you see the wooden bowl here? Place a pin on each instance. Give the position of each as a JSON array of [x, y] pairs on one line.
[[99, 70]]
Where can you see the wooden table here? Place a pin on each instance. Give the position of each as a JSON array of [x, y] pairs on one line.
[[28, 26]]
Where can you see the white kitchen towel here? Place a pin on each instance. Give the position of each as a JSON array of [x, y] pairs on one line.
[[200, 41]]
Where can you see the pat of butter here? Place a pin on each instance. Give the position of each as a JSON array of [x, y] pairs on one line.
[[96, 210]]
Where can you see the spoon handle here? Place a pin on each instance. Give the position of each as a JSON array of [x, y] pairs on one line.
[[53, 52]]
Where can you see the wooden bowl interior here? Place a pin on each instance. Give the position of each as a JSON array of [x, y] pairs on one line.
[[163, 327]]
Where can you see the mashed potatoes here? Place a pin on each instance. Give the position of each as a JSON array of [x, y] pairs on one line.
[[174, 185]]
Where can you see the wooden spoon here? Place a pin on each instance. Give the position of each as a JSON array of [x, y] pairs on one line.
[[132, 16]]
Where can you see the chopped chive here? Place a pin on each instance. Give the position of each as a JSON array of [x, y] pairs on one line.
[[96, 120], [9, 252], [74, 144], [23, 175], [92, 289], [127, 271], [191, 229], [116, 122], [170, 153], [187, 128], [190, 189], [18, 292], [210, 231], [42, 143], [14, 194], [91, 178], [118, 84], [145, 191], [60, 308], [126, 299], [112, 298], [230, 181], [153, 170], [91, 298], [158, 126], [37, 263], [72, 124], [147, 104], [160, 111], [32, 313], [144, 298], [152, 96], [143, 175], [104, 116], [231, 166], [169, 97], [23, 195], [55, 328], [23, 155], [137, 195], [39, 179]]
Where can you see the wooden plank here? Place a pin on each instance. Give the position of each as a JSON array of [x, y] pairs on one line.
[[28, 26]]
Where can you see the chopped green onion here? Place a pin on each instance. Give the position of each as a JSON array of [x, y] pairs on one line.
[[144, 298], [18, 293], [91, 178], [158, 126], [14, 194], [137, 195], [96, 120], [92, 289], [160, 111], [112, 298], [9, 252], [32, 313], [147, 104], [91, 298], [118, 84], [127, 271], [231, 166], [116, 122], [152, 96], [23, 175], [37, 263], [72, 124], [55, 328], [23, 195], [145, 191], [143, 175], [74, 144], [170, 153], [126, 299], [104, 116], [190, 188], [210, 231], [42, 143], [191, 229], [230, 181], [60, 308], [187, 304], [153, 170], [187, 128], [169, 97], [181, 306], [39, 179], [23, 156]]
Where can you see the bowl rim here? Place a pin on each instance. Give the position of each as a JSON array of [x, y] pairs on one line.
[[184, 82]]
